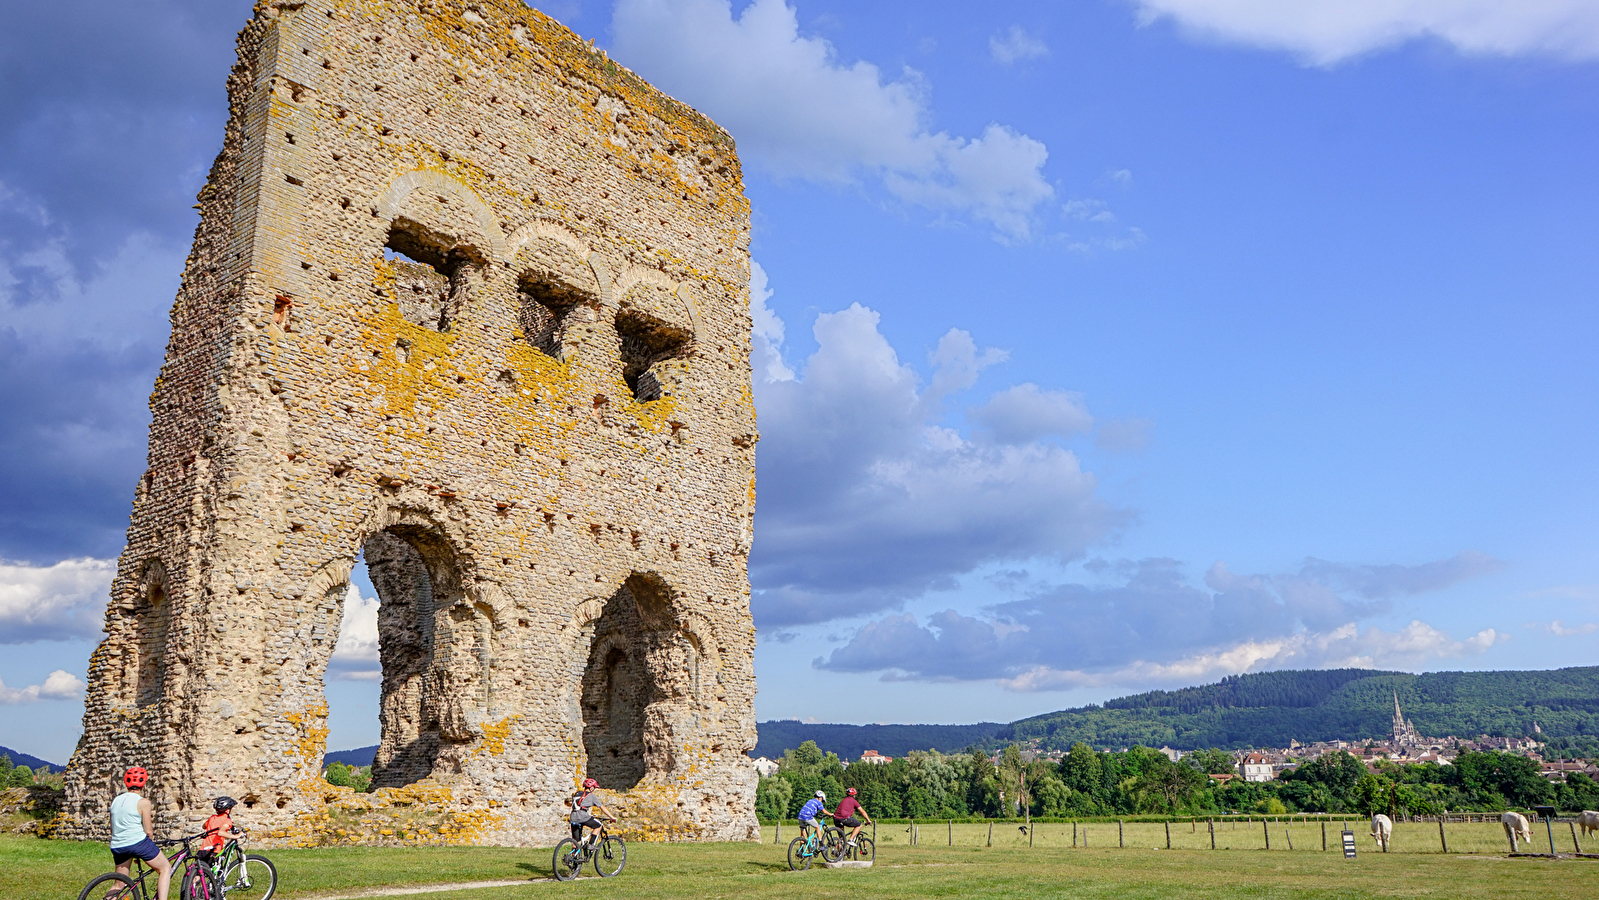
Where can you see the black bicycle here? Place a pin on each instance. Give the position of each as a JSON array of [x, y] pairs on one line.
[[608, 852], [197, 882], [245, 875], [862, 849]]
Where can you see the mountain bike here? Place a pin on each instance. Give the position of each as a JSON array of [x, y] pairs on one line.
[[245, 875], [825, 841], [608, 852], [197, 882], [862, 849]]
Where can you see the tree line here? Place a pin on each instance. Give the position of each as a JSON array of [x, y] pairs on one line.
[[1085, 782]]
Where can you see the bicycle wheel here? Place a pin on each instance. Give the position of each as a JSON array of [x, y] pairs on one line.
[[799, 854], [112, 886], [832, 845], [253, 877], [199, 883], [610, 857], [568, 860], [864, 850]]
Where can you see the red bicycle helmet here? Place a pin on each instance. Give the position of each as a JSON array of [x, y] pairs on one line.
[[135, 777], [851, 792], [590, 784]]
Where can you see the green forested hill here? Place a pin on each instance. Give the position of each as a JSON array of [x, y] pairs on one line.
[[1267, 709], [1270, 708], [850, 741]]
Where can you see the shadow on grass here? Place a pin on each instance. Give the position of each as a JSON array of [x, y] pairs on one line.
[[534, 870], [753, 866]]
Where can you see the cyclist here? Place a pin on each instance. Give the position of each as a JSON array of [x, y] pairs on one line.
[[813, 807], [583, 806], [219, 829], [849, 815], [133, 835]]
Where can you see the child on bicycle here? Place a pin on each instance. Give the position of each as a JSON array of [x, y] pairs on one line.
[[583, 806], [219, 829], [813, 807], [133, 834]]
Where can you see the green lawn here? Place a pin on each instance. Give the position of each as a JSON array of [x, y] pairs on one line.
[[32, 869]]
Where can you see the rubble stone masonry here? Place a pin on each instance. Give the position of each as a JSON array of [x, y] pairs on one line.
[[470, 299]]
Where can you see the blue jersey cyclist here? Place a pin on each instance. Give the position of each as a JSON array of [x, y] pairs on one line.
[[813, 807]]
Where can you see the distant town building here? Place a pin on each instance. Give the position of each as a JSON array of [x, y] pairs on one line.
[[1173, 755], [1256, 766], [765, 767], [872, 756], [1558, 769]]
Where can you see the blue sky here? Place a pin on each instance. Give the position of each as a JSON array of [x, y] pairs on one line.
[[1103, 346]]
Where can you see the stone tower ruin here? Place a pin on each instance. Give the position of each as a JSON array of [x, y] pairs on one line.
[[470, 299]]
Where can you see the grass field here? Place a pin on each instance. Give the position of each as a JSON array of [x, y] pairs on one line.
[[33, 869]]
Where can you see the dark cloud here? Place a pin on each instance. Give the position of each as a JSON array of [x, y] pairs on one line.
[[866, 501], [108, 123], [1155, 621], [110, 117]]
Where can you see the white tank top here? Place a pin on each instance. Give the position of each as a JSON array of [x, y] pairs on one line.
[[127, 826]]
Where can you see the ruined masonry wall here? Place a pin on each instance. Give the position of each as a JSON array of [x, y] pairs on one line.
[[471, 298]]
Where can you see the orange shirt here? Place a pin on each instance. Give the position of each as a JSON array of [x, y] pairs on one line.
[[221, 823]]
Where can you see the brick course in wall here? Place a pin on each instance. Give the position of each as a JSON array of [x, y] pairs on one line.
[[471, 299]]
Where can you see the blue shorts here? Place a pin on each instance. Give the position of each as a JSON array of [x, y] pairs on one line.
[[145, 850]]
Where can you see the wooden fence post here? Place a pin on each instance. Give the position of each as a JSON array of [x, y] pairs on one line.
[[1120, 840], [1074, 835], [1324, 835], [1574, 841], [1266, 829], [874, 835], [1168, 835], [990, 832], [1289, 834], [952, 832], [1029, 832], [1211, 825], [779, 838]]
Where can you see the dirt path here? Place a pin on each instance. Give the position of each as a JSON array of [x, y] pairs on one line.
[[425, 889]]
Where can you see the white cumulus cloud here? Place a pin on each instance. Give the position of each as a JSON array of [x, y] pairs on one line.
[[355, 656], [1323, 32], [867, 499], [58, 685], [56, 602], [1027, 412], [797, 110]]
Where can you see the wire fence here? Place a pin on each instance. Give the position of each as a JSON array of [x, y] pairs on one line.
[[1455, 833]]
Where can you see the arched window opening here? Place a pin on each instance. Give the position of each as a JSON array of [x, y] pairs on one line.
[[647, 341], [546, 305], [428, 275]]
